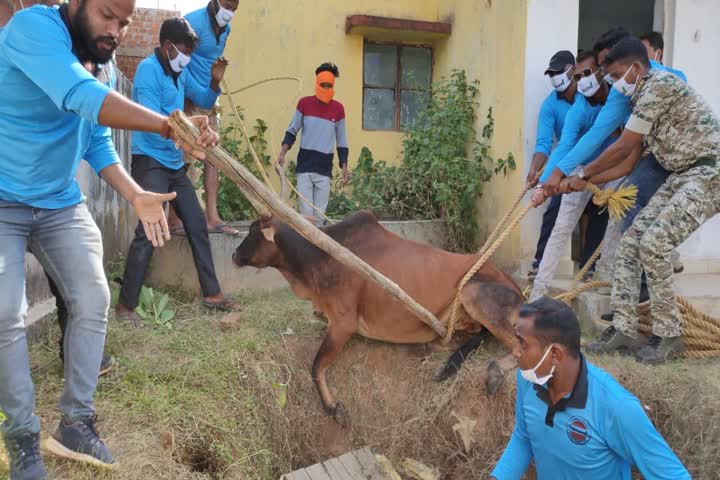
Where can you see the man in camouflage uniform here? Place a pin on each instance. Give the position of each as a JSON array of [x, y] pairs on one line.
[[679, 127]]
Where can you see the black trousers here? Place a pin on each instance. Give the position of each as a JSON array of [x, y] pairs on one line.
[[155, 177], [62, 314]]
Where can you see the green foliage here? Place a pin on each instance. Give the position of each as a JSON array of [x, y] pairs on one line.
[[438, 179], [154, 308], [232, 204]]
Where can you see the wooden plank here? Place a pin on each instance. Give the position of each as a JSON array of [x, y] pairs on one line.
[[318, 472], [297, 475], [368, 465], [336, 470], [351, 465]]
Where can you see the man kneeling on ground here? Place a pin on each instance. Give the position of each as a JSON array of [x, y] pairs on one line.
[[572, 418]]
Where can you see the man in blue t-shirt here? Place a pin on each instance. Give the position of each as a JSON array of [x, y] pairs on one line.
[[161, 84], [212, 25], [551, 120], [572, 419], [56, 109]]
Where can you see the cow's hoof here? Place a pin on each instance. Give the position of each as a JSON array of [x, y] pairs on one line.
[[341, 415], [495, 378]]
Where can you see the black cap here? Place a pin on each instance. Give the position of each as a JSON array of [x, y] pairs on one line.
[[560, 61]]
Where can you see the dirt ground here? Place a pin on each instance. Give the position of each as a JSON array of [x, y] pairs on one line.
[[203, 401]]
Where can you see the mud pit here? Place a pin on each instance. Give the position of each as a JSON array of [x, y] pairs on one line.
[[397, 409]]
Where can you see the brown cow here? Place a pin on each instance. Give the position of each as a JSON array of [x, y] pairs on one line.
[[353, 304]]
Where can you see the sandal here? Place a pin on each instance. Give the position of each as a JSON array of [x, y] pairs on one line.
[[178, 230], [224, 229], [225, 305]]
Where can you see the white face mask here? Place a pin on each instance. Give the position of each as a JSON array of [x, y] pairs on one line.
[[624, 87], [561, 81], [608, 79], [223, 15], [532, 377], [180, 62], [589, 86]]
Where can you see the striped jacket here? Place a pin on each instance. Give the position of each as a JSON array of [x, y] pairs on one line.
[[323, 127]]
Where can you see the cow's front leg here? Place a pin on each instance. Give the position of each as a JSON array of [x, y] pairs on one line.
[[495, 307], [338, 333]]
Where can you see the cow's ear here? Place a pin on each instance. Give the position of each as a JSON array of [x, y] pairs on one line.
[[269, 233]]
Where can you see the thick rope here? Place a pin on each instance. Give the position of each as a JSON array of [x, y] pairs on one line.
[[588, 264], [618, 201], [502, 225], [478, 265], [701, 354], [568, 297]]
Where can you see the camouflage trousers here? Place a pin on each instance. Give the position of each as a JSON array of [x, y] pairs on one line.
[[680, 206]]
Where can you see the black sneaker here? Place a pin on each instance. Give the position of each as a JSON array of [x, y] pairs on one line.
[[80, 442], [24, 454], [660, 349], [608, 317], [613, 340]]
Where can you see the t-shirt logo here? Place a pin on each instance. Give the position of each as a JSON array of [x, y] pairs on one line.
[[578, 430]]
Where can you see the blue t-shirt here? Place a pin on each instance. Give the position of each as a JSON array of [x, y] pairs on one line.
[[160, 90], [598, 432], [210, 46], [49, 106], [551, 121], [612, 116], [579, 120]]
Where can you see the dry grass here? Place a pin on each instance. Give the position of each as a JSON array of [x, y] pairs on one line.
[[199, 402]]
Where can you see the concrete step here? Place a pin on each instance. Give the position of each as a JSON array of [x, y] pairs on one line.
[[702, 290]]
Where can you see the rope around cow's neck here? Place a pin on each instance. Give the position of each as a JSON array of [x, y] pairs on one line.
[[618, 201]]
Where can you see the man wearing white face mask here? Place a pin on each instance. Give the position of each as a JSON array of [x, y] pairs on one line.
[[161, 84], [680, 128], [551, 121], [573, 419], [212, 25], [594, 91]]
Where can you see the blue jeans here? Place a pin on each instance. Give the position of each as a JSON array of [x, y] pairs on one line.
[[68, 245], [648, 176]]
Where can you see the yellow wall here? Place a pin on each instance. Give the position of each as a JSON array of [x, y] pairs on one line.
[[488, 40], [269, 39]]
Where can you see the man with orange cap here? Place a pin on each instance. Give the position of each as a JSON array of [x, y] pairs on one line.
[[322, 121]]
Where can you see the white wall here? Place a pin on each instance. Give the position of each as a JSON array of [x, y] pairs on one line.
[[552, 25], [694, 51]]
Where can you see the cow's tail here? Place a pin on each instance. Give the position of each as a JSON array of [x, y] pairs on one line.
[[460, 355]]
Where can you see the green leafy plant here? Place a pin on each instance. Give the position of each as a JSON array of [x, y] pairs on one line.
[[438, 179], [154, 308], [232, 204]]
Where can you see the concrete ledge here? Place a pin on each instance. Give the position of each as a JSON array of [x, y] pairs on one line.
[[172, 265], [702, 291]]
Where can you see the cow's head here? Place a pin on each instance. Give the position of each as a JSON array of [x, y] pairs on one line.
[[259, 249]]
